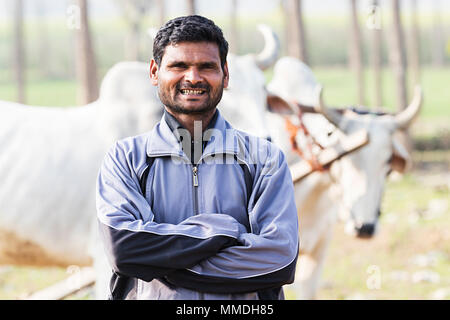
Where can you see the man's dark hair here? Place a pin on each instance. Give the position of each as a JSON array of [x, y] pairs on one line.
[[193, 28]]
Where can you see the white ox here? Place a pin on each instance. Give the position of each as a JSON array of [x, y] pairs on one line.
[[49, 162], [51, 156], [354, 184]]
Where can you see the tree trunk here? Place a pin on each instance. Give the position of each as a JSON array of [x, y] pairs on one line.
[[437, 51], [161, 12], [398, 59], [134, 11], [356, 59], [376, 54], [414, 57], [286, 26], [44, 51], [191, 7], [86, 68], [296, 31], [19, 51], [132, 40], [234, 34]]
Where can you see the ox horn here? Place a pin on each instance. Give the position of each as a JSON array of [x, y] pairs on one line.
[[269, 54], [334, 116], [405, 117]]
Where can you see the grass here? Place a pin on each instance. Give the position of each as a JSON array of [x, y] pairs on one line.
[[18, 282], [339, 90], [43, 93]]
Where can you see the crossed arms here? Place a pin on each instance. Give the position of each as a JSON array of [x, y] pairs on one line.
[[209, 252]]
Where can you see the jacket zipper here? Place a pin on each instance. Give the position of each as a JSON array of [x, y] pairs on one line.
[[195, 180], [195, 184]]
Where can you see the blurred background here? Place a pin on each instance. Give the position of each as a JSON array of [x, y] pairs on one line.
[[364, 52]]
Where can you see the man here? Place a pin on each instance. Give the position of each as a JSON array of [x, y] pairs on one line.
[[208, 217]]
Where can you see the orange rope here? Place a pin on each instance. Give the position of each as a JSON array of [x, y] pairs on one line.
[[293, 130]]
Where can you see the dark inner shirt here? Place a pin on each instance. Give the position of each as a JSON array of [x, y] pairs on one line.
[[174, 126]]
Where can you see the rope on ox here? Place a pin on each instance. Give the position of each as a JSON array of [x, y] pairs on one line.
[[345, 145], [311, 161], [308, 155]]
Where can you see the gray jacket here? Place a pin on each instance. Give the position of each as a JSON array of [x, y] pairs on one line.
[[195, 230]]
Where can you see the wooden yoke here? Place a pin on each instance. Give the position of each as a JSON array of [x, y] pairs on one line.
[[313, 162], [346, 145]]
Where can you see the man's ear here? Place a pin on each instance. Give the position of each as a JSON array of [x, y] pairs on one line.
[[226, 76], [154, 72]]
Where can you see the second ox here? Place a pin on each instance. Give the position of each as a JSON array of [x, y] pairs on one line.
[[353, 185]]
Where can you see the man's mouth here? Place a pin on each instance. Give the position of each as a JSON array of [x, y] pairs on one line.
[[192, 92]]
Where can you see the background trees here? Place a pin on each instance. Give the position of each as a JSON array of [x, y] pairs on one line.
[[86, 65], [367, 36]]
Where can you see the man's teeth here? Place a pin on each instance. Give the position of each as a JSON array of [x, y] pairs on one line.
[[195, 92]]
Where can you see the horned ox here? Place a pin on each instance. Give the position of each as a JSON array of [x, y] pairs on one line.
[[354, 184], [51, 156]]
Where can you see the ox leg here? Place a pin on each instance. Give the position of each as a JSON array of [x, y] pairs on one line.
[[309, 270], [101, 266], [102, 276]]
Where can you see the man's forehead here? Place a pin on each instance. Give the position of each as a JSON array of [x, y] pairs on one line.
[[187, 51]]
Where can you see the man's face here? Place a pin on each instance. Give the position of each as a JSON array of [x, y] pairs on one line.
[[190, 78]]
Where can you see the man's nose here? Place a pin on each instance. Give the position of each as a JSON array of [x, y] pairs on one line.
[[193, 76]]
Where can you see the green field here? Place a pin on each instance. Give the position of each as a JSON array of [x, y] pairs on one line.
[[44, 93], [339, 90]]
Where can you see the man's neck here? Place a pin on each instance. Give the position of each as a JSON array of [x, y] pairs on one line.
[[188, 120]]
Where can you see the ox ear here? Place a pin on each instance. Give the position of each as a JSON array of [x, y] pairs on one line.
[[276, 104], [400, 160]]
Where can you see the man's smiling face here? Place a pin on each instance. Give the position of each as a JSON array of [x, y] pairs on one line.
[[190, 77]]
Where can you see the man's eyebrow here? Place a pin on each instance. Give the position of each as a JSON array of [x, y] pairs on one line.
[[203, 64], [208, 64], [177, 64]]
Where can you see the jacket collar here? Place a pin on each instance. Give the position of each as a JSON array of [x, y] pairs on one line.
[[222, 139]]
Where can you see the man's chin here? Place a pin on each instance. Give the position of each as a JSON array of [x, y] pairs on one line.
[[191, 109]]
